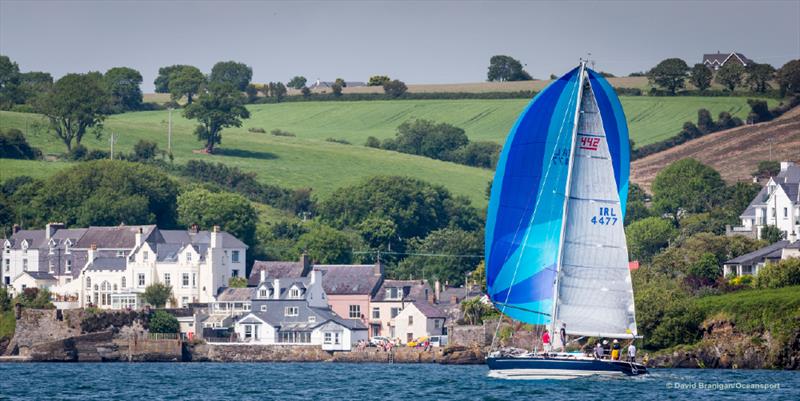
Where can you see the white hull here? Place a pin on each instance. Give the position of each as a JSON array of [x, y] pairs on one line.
[[549, 374]]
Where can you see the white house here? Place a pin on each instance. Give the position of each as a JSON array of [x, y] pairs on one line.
[[419, 319], [294, 311], [715, 61], [778, 204], [751, 263]]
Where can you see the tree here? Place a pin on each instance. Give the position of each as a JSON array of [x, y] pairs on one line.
[[427, 138], [730, 75], [252, 93], [13, 145], [306, 92], [186, 81], [35, 298], [477, 154], [701, 76], [341, 82], [705, 271], [705, 123], [9, 82], [277, 90], [670, 74], [771, 234], [686, 186], [379, 234], [33, 84], [336, 88], [648, 236], [767, 168], [759, 75], [372, 142], [237, 282], [144, 151], [123, 87], [395, 88], [378, 80], [636, 207], [77, 103], [163, 322], [157, 294], [220, 107], [232, 212], [463, 245], [297, 82], [162, 81], [781, 274], [236, 74], [106, 192], [505, 68], [325, 245], [759, 111], [788, 78]]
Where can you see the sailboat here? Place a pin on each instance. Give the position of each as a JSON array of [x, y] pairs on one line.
[[556, 254]]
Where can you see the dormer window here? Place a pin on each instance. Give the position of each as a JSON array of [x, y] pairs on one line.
[[294, 292], [291, 311], [312, 319], [262, 293], [394, 293], [67, 245]]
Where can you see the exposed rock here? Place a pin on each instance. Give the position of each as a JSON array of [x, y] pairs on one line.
[[461, 355]]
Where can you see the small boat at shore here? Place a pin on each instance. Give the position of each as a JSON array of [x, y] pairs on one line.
[[556, 254]]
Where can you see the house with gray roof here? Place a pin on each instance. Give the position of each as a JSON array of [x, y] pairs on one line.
[[391, 298], [294, 311], [751, 263], [716, 60], [420, 319], [777, 204]]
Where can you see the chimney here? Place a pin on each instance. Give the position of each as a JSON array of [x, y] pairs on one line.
[[15, 229], [51, 228], [453, 300], [139, 235], [792, 237], [316, 276], [437, 290], [276, 285], [263, 275], [378, 269], [194, 228], [214, 237], [306, 262], [431, 297], [785, 165], [92, 250]]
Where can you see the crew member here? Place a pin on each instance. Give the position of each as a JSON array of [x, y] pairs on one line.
[[546, 341], [615, 350], [632, 352]]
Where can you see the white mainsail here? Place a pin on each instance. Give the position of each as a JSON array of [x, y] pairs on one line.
[[595, 296]]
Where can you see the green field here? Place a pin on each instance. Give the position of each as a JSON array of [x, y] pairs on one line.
[[309, 161]]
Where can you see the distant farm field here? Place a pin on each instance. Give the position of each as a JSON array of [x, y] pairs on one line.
[[308, 160]]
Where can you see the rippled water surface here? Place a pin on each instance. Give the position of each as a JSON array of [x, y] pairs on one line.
[[339, 381]]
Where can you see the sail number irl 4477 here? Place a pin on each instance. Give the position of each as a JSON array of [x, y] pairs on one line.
[[606, 216]]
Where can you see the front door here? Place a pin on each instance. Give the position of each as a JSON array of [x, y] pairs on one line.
[[409, 337]]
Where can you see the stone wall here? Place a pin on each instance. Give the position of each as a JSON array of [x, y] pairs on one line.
[[293, 353], [469, 336]]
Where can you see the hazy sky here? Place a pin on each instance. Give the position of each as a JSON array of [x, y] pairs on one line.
[[418, 42]]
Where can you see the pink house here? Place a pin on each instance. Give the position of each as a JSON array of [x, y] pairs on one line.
[[350, 288]]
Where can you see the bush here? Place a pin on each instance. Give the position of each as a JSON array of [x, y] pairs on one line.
[[77, 153], [279, 132], [745, 280], [13, 145], [782, 274], [157, 294], [35, 298], [759, 111], [372, 142], [628, 91], [257, 130], [394, 88], [163, 322], [144, 151], [338, 140]]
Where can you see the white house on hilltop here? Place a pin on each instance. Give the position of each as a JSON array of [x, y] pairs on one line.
[[777, 204]]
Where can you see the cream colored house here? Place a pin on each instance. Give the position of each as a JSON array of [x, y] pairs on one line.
[[419, 319], [778, 204]]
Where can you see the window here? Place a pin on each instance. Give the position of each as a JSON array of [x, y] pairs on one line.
[[312, 319], [167, 280], [355, 311], [394, 312], [376, 313], [328, 338], [263, 308], [437, 324], [123, 284], [262, 293], [410, 320], [145, 256], [188, 256], [8, 264], [248, 331], [69, 266], [785, 212], [141, 279], [88, 283], [295, 337], [235, 256], [120, 254], [194, 280], [66, 246], [185, 281], [294, 293], [50, 266], [184, 301], [393, 293], [235, 273], [291, 311], [24, 265]]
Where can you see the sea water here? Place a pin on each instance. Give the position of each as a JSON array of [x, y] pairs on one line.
[[341, 381]]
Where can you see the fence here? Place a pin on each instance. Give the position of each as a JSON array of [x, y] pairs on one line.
[[163, 336]]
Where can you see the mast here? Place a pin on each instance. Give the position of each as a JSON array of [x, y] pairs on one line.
[[560, 257]]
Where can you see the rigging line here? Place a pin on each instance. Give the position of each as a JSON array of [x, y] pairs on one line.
[[533, 215]]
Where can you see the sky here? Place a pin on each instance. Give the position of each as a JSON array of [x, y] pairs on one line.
[[414, 41]]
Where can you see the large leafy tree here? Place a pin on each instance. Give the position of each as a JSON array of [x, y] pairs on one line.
[[230, 72], [669, 74], [9, 82], [464, 246], [759, 75], [298, 82], [701, 76], [106, 192], [33, 84], [77, 103], [730, 75], [427, 138], [232, 212], [506, 68], [162, 81], [219, 107], [648, 236], [394, 88], [186, 81], [378, 80], [123, 86], [326, 245], [686, 186], [789, 78]]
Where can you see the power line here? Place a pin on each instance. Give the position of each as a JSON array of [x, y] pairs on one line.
[[416, 254]]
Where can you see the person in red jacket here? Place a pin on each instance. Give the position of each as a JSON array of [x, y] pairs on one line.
[[546, 341]]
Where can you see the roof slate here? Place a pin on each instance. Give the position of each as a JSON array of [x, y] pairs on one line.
[[413, 290], [429, 310], [349, 279], [757, 255], [274, 270]]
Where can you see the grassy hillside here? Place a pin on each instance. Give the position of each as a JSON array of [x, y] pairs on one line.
[[753, 310]]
